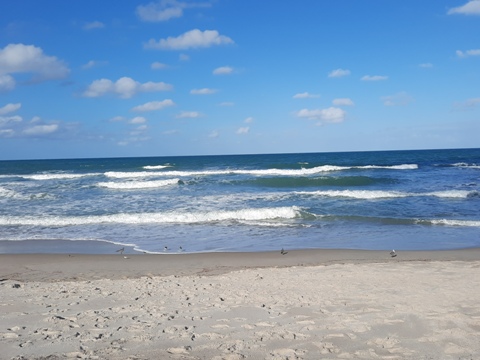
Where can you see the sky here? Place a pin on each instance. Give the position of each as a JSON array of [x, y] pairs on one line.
[[89, 78]]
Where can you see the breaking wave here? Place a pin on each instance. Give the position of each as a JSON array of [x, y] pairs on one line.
[[132, 185]]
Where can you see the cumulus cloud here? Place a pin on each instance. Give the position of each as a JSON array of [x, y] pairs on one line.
[[138, 120], [468, 53], [39, 130], [190, 40], [243, 130], [305, 95], [223, 70], [154, 105], [467, 104], [20, 58], [426, 65], [399, 99], [248, 120], [124, 87], [10, 108], [204, 91], [7, 83], [158, 66], [472, 7], [93, 25], [343, 102], [16, 127], [92, 63], [164, 10], [374, 78], [330, 115], [213, 134], [338, 73], [188, 115]]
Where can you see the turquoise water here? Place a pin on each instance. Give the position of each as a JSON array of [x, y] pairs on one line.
[[358, 200]]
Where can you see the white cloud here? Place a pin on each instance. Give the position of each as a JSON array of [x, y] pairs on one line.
[[93, 25], [39, 130], [124, 87], [154, 105], [170, 132], [343, 102], [305, 95], [248, 120], [338, 73], [191, 39], [204, 91], [243, 130], [464, 54], [223, 70], [374, 78], [117, 119], [426, 65], [399, 99], [213, 134], [10, 108], [164, 10], [331, 114], [467, 104], [472, 7], [92, 64], [188, 115], [20, 58], [158, 66], [7, 83], [8, 120], [138, 120]]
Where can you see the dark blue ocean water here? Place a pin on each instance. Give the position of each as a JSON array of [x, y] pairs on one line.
[[358, 200]]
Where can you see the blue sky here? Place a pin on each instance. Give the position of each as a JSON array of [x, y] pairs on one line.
[[139, 78]]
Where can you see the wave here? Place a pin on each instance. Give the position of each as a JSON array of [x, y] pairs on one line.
[[344, 181], [175, 217], [156, 167], [465, 165], [258, 172], [132, 185], [56, 176], [448, 222], [379, 194]]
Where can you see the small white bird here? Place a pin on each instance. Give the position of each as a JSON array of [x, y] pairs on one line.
[[393, 253]]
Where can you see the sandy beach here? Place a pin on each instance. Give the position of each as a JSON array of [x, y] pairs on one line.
[[309, 304]]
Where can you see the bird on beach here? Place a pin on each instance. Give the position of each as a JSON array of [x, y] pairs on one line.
[[180, 249], [165, 248], [121, 250], [283, 252], [393, 253]]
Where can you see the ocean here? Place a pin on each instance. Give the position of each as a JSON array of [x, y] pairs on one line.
[[405, 200]]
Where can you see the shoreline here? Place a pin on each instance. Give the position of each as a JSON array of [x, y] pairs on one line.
[[78, 267]]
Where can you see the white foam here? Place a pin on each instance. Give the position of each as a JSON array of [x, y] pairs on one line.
[[156, 167], [465, 165], [447, 222], [56, 176], [131, 185], [251, 214], [379, 194], [258, 172]]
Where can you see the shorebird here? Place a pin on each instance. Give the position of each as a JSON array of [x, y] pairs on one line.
[[180, 249], [121, 250], [283, 252], [165, 248], [393, 253]]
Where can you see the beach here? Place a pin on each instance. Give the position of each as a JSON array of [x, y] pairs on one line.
[[303, 304]]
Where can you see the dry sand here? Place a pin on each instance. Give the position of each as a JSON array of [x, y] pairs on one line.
[[315, 304]]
